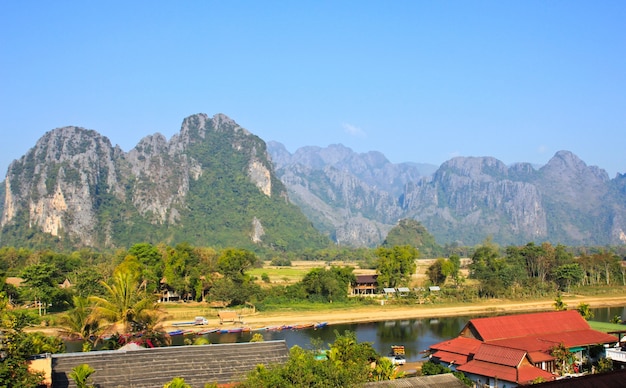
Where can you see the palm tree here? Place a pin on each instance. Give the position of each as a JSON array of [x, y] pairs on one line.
[[81, 375], [126, 307], [80, 323]]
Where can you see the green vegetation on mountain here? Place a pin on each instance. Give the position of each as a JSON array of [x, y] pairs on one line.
[[413, 233], [211, 185]]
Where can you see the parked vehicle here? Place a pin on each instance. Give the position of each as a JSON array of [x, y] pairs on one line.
[[397, 355], [200, 321]]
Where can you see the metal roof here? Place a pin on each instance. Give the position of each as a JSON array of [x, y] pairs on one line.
[[500, 355], [523, 325]]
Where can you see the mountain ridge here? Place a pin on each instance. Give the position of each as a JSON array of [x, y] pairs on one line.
[[75, 185], [210, 184]]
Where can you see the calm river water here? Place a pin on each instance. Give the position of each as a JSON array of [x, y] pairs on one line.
[[416, 335]]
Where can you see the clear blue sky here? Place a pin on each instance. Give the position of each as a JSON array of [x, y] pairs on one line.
[[420, 81]]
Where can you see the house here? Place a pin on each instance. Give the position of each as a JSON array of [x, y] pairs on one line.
[[222, 364], [515, 349], [66, 284], [365, 285]]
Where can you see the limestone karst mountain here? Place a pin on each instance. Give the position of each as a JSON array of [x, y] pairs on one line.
[[210, 184], [214, 183]]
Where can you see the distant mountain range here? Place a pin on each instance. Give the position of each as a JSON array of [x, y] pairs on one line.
[[357, 198], [214, 183]]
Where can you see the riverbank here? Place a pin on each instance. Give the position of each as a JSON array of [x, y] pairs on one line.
[[386, 312]]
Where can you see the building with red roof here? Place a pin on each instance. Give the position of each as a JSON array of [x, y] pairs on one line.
[[515, 349]]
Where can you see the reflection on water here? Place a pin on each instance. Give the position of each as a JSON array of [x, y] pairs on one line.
[[416, 335]]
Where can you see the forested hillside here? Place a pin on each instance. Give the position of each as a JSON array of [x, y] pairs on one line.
[[211, 184]]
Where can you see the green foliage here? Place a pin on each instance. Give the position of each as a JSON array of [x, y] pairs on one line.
[[81, 374], [327, 285], [16, 346], [347, 365], [585, 311], [396, 265], [439, 271], [411, 232], [232, 263], [605, 365], [281, 261], [430, 368], [42, 285], [567, 275], [177, 382], [559, 305], [563, 358], [126, 306]]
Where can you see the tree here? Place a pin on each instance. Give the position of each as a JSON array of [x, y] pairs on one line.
[[559, 305], [348, 364], [439, 271], [16, 346], [125, 307], [395, 265], [567, 275], [456, 267], [585, 311], [496, 275], [328, 284], [42, 281], [605, 365], [563, 358], [233, 263], [177, 382], [79, 321], [386, 370], [81, 374], [413, 233]]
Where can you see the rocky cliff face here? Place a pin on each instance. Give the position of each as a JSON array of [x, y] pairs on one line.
[[358, 197], [56, 185], [213, 184], [351, 197], [75, 185]]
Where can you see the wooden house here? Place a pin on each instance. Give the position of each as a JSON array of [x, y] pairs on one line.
[[365, 285]]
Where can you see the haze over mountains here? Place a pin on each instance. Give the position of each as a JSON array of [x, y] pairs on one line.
[[215, 183]]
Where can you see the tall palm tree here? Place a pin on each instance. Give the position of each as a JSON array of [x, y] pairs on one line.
[[126, 307], [79, 322]]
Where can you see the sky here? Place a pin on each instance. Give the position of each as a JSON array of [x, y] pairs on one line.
[[419, 81]]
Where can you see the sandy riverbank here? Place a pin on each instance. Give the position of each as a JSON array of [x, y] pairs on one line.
[[386, 312]]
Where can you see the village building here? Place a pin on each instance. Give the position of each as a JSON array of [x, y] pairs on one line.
[[513, 350], [365, 285]]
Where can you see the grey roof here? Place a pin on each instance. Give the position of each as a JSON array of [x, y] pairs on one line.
[[446, 380], [148, 368]]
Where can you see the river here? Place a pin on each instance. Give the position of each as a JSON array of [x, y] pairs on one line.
[[416, 335]]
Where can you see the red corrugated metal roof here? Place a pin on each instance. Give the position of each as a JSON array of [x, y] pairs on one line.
[[539, 357], [522, 325], [460, 345], [488, 369], [499, 355], [528, 373], [523, 375], [544, 342], [448, 357], [581, 338]]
